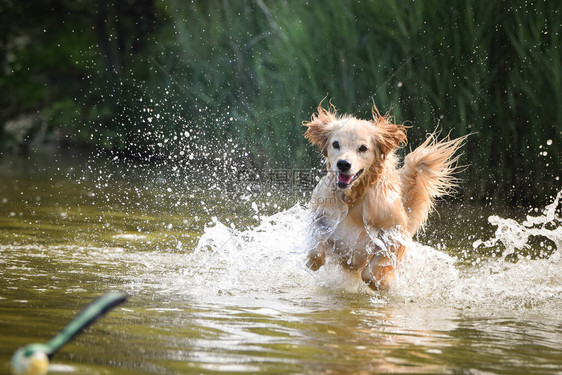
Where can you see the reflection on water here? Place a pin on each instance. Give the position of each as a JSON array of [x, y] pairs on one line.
[[219, 285]]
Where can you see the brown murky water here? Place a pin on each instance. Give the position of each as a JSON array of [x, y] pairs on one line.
[[220, 286]]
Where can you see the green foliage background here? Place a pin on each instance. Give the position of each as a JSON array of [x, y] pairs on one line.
[[128, 74]]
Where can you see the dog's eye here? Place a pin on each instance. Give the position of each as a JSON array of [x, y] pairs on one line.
[[336, 144], [363, 148]]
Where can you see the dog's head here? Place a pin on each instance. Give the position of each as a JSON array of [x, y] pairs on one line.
[[354, 149]]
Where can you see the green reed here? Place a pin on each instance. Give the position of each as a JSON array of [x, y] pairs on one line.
[[485, 67], [481, 67]]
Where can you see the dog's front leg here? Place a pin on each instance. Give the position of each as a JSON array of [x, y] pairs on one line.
[[320, 231]]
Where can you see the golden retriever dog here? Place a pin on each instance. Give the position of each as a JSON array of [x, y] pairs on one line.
[[365, 207]]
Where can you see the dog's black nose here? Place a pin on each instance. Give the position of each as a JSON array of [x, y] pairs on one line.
[[343, 165]]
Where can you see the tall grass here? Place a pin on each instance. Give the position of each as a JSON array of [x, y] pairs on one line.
[[485, 67], [253, 70]]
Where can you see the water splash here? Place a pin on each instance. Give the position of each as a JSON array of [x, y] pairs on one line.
[[430, 275], [515, 236], [264, 255], [270, 258], [261, 260], [265, 265]]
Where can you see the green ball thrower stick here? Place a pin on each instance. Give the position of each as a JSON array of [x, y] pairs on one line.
[[33, 359]]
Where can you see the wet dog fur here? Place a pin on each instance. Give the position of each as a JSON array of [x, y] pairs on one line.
[[365, 205]]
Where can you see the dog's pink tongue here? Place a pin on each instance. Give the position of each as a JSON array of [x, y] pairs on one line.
[[344, 178]]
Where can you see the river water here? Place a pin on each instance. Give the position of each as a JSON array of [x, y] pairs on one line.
[[217, 282]]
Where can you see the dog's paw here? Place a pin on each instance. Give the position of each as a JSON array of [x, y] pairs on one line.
[[316, 259], [378, 276]]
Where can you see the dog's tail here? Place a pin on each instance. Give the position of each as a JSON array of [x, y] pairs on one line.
[[428, 173]]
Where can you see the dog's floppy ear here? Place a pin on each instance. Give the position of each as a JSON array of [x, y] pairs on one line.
[[389, 135], [319, 127]]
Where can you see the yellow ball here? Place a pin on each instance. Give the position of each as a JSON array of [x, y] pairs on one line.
[[35, 364]]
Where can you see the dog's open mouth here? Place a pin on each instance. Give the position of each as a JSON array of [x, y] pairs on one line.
[[344, 180]]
